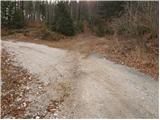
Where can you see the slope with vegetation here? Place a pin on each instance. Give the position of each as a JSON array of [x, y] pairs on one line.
[[133, 26]]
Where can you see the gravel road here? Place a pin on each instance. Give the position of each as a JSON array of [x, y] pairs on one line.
[[86, 86]]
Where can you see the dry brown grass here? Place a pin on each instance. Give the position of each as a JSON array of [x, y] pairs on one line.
[[143, 57], [35, 24], [126, 51]]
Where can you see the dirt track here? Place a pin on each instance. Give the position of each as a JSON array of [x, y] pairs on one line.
[[89, 87]]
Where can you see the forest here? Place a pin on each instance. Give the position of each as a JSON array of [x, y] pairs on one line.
[[79, 59], [102, 17], [135, 21]]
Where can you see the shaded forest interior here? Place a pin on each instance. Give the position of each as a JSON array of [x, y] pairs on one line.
[[136, 22]]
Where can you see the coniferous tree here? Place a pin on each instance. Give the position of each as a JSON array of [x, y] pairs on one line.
[[63, 22], [11, 16]]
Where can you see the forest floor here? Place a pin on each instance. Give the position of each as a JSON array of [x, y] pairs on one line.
[[77, 81], [119, 49]]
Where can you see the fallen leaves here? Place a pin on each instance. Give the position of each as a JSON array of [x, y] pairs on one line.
[[13, 102], [121, 50]]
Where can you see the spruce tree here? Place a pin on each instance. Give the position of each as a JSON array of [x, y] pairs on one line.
[[63, 22]]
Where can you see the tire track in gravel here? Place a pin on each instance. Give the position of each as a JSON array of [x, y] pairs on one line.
[[86, 87]]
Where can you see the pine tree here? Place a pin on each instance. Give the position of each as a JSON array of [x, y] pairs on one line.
[[11, 16], [63, 22], [17, 21]]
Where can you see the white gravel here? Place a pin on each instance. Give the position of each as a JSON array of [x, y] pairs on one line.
[[44, 58], [94, 86]]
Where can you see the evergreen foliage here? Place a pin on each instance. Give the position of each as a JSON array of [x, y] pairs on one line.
[[17, 21], [63, 22], [10, 16]]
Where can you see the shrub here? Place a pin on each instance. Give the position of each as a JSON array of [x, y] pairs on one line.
[[99, 27], [100, 30], [109, 30], [46, 34], [79, 27]]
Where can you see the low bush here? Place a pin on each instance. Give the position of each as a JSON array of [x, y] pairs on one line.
[[46, 34], [100, 30], [97, 26], [79, 27], [109, 30]]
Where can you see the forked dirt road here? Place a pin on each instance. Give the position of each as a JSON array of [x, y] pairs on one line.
[[86, 86]]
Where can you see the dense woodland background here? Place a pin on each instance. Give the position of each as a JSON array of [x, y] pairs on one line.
[[102, 17]]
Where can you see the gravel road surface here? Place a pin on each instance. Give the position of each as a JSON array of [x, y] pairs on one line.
[[85, 86]]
